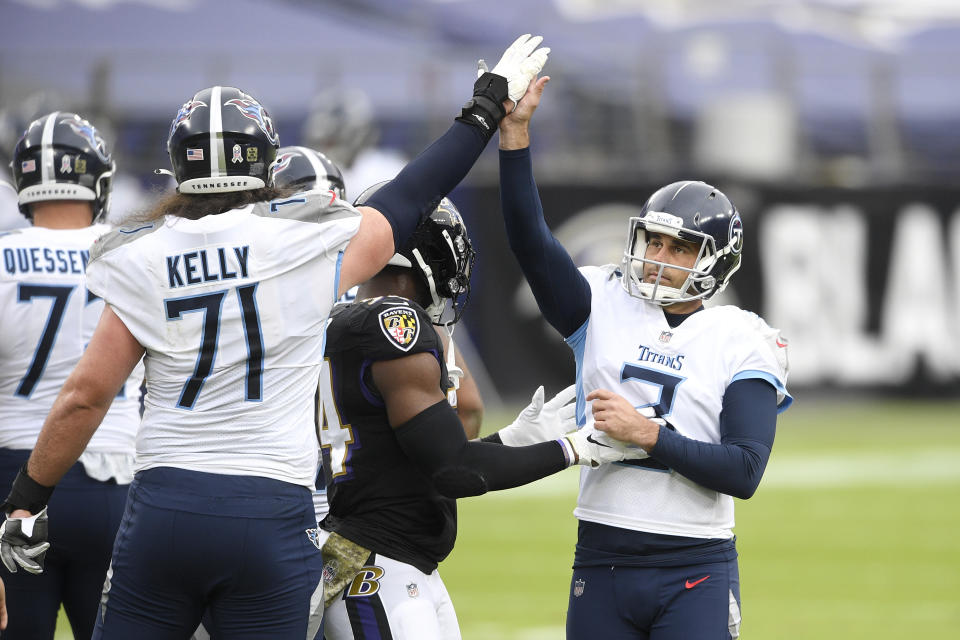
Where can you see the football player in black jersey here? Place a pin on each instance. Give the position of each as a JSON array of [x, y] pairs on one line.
[[395, 455]]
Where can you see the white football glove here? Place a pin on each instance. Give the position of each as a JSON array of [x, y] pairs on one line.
[[23, 541], [592, 448], [540, 421], [519, 64]]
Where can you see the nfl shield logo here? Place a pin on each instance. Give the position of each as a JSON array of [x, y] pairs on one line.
[[330, 569], [412, 590], [400, 326], [665, 336], [578, 588]]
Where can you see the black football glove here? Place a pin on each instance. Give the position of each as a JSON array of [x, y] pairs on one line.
[[23, 541], [509, 79]]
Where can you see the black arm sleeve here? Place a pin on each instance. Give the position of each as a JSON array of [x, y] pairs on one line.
[[426, 179], [562, 292], [748, 423], [435, 441]]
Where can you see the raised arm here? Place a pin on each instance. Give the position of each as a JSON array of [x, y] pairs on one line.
[[392, 214], [562, 292]]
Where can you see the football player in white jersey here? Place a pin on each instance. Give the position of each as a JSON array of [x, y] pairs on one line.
[[63, 176], [226, 287], [697, 388]]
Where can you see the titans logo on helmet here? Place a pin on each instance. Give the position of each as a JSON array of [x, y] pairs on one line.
[[282, 162], [735, 234], [185, 111], [85, 130], [255, 111]]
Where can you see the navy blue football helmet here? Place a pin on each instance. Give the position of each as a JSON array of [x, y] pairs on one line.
[[306, 169], [695, 212], [61, 156], [441, 255], [222, 140]]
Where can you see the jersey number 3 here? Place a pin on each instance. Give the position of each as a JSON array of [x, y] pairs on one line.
[[667, 384]]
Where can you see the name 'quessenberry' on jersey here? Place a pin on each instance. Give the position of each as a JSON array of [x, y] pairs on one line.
[[47, 317]]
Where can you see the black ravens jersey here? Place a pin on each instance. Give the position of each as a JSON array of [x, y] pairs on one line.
[[378, 496]]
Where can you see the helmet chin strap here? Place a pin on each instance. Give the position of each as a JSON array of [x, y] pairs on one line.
[[455, 372], [436, 307]]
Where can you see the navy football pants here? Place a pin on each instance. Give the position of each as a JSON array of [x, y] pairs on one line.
[[655, 603], [235, 546], [84, 516]]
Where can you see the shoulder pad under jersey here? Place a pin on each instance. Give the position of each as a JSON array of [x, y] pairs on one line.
[[121, 236], [307, 206]]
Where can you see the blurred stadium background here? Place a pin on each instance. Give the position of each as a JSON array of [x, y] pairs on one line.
[[833, 124]]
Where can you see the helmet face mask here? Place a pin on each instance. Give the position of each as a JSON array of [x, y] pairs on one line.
[[306, 169], [221, 140], [61, 156], [693, 212]]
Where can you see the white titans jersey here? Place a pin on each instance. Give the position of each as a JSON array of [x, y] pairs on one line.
[[231, 309], [626, 346], [47, 317]]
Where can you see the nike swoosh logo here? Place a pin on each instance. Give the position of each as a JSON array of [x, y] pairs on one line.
[[597, 442], [691, 585], [781, 344]]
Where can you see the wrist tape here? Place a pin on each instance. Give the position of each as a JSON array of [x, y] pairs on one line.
[[27, 493]]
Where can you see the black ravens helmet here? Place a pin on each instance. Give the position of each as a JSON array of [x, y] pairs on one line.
[[221, 140], [695, 212], [61, 156], [440, 253], [306, 169]]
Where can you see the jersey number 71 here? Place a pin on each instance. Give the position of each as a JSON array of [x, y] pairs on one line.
[[211, 304]]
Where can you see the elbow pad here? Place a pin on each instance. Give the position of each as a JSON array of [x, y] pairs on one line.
[[459, 482]]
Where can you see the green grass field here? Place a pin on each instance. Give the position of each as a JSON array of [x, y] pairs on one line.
[[852, 534]]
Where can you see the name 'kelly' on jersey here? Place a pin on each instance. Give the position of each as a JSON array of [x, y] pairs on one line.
[[231, 310]]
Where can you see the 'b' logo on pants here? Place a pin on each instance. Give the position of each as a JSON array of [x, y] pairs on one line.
[[365, 583]]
